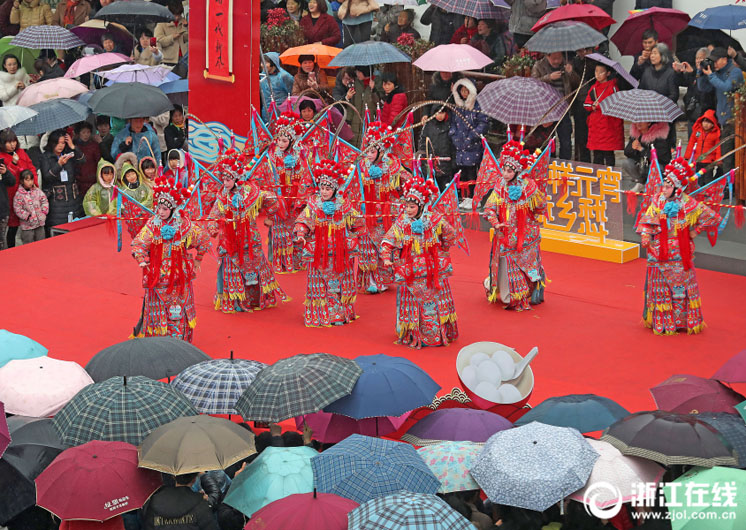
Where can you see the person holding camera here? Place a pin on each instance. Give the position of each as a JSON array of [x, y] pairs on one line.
[[357, 89], [58, 166], [696, 102], [172, 37]]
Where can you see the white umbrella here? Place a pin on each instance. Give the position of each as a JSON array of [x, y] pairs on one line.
[[139, 73]]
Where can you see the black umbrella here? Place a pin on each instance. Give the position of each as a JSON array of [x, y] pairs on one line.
[[134, 12], [35, 444], [130, 100], [692, 39], [153, 357]]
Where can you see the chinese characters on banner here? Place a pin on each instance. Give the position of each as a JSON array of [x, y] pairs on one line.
[[593, 198], [219, 50]]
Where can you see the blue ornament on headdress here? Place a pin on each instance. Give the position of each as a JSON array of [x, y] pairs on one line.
[[375, 172], [514, 192], [417, 226], [290, 161], [168, 232], [329, 207]]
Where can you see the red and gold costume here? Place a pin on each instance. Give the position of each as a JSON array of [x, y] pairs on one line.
[[672, 299]]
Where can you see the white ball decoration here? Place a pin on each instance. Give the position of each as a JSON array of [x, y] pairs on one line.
[[486, 390], [506, 364], [490, 372], [469, 376], [509, 394], [478, 358]]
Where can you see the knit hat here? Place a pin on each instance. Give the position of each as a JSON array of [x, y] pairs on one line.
[[169, 193], [680, 174], [514, 155], [289, 124], [378, 135], [330, 173], [419, 191]]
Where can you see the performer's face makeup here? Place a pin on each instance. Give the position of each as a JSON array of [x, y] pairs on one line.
[[282, 142], [508, 173], [412, 209], [371, 154], [326, 192], [163, 211], [228, 183], [667, 189]]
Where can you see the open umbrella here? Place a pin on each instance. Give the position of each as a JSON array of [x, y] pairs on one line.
[[323, 54], [691, 39], [733, 370], [309, 511], [667, 22], [41, 386], [584, 412], [450, 463], [140, 73], [639, 106], [733, 429], [108, 474], [670, 439], [369, 53], [92, 30], [134, 12], [177, 91], [130, 100], [275, 474], [720, 17], [94, 62], [34, 445], [388, 386], [618, 68], [333, 428], [565, 37], [592, 15], [335, 115], [60, 87], [14, 114], [297, 385], [15, 346], [196, 443], [522, 101], [533, 466], [153, 357], [52, 114], [41, 37], [471, 8], [4, 432], [456, 424], [25, 55], [406, 510], [691, 394], [120, 409], [363, 468], [452, 58]]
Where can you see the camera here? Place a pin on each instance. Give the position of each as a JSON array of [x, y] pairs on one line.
[[707, 64]]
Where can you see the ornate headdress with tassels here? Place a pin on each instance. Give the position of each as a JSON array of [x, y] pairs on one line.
[[169, 193], [378, 135], [419, 191], [330, 173], [680, 173], [514, 155], [289, 124]]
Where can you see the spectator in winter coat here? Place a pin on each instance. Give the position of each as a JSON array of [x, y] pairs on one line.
[[172, 37], [7, 181], [553, 70], [493, 40], [354, 87], [435, 141], [386, 15], [642, 138], [318, 26], [524, 14], [58, 167], [71, 13], [605, 133], [178, 508], [104, 137], [466, 32], [394, 100], [696, 102], [6, 28], [30, 13], [309, 76], [99, 197], [660, 77], [143, 53], [443, 24], [48, 66], [276, 85], [468, 125], [581, 64], [642, 60], [16, 160], [137, 137], [176, 131], [13, 79], [392, 32], [441, 86], [31, 207], [704, 142], [86, 172]]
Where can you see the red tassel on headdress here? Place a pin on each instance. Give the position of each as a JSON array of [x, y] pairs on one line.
[[738, 216], [631, 202], [221, 145]]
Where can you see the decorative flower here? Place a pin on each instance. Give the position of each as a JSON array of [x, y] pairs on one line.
[[671, 209], [405, 39], [237, 200], [329, 207], [514, 192], [168, 232], [290, 161], [375, 172], [417, 226]]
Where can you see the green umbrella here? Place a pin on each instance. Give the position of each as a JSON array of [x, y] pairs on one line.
[[276, 473], [741, 408], [716, 495], [25, 56]]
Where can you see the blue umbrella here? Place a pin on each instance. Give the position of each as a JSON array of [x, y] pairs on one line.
[[584, 412], [533, 466], [177, 91], [388, 386], [363, 468], [721, 17], [14, 346], [52, 114], [733, 429], [369, 53]]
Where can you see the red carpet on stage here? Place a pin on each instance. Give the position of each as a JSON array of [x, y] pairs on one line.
[[76, 295]]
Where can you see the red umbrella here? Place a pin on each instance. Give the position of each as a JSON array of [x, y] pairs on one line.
[[310, 511], [734, 369], [4, 432], [333, 428], [689, 394], [594, 16], [95, 481], [667, 22]]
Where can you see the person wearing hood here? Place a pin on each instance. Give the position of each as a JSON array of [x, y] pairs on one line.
[[148, 170], [704, 143], [468, 125], [130, 138], [30, 13], [99, 197], [276, 85], [176, 167], [13, 79], [130, 182], [441, 86], [178, 508]]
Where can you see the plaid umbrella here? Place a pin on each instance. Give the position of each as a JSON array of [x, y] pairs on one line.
[[584, 412], [565, 36], [733, 429], [670, 439], [533, 466], [450, 463], [14, 114], [522, 101], [618, 68], [52, 114], [42, 37], [363, 468], [214, 386], [369, 53], [120, 409], [471, 8], [298, 385], [407, 511], [639, 106]]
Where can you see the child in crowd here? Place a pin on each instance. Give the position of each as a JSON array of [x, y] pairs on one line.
[[149, 170], [605, 133], [704, 143], [103, 126], [87, 170], [31, 207], [436, 142], [98, 199], [177, 168], [130, 183]]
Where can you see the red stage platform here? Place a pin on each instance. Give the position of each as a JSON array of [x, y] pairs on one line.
[[76, 295]]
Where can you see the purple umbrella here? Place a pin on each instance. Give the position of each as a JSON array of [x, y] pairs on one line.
[[733, 371], [335, 115], [92, 30], [456, 425], [522, 101], [4, 432], [689, 394], [618, 68]]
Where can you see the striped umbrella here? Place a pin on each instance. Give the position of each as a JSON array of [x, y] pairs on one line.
[[522, 101], [407, 511], [52, 114], [639, 106], [369, 53], [565, 37], [471, 8], [42, 37]]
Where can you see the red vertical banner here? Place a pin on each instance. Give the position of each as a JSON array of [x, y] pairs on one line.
[[219, 33]]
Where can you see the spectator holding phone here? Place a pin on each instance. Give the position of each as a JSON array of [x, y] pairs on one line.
[[58, 178], [172, 37], [146, 51], [309, 76]]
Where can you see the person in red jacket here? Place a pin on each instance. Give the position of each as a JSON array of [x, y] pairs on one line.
[[394, 100], [16, 160], [705, 142], [318, 26], [605, 133], [464, 33]]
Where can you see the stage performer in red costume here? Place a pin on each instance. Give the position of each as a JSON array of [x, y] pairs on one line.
[[668, 229], [417, 245], [162, 250], [514, 210]]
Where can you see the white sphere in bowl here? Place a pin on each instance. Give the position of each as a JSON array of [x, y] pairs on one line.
[[490, 372], [469, 376], [509, 393], [486, 390], [478, 358], [505, 362]]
